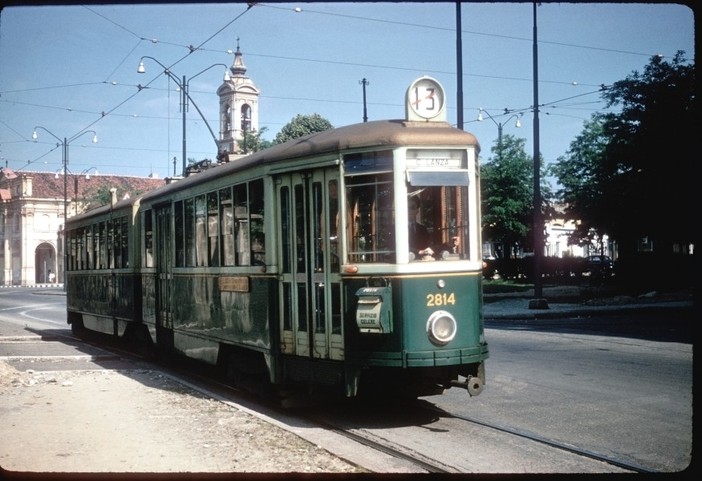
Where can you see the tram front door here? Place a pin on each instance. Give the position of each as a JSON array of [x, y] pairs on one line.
[[311, 317], [164, 316]]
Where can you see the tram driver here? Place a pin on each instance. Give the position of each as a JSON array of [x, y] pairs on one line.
[[420, 240]]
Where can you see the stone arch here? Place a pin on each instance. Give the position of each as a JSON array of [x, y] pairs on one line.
[[45, 263]]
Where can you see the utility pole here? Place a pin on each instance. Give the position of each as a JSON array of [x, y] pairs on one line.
[[459, 70], [538, 223]]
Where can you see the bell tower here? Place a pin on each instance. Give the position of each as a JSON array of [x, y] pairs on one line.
[[238, 110]]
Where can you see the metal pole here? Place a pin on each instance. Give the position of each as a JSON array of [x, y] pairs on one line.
[[538, 225], [459, 72], [184, 99], [499, 142], [364, 82], [65, 209]]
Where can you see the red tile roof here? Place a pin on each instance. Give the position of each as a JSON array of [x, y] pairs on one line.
[[47, 185]]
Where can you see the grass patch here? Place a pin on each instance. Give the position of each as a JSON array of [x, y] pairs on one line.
[[498, 286]]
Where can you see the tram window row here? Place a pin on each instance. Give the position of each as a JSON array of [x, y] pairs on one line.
[[219, 228], [103, 245]]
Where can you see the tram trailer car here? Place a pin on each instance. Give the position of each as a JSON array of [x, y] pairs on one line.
[[298, 266], [102, 281]]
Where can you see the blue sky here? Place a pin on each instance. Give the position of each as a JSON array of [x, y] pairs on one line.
[[70, 68]]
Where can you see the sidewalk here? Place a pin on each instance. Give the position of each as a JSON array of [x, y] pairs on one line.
[[563, 301]]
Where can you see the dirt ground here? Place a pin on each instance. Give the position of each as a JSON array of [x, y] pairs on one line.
[[139, 421]]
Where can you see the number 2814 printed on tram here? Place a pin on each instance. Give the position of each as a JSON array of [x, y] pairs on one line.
[[441, 299]]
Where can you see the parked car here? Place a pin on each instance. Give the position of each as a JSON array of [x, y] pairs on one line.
[[598, 266]]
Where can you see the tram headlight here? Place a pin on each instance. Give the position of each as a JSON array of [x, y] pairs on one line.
[[441, 328]]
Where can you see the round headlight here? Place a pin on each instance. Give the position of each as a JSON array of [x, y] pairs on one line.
[[441, 328]]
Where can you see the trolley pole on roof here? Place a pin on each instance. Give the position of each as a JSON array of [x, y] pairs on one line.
[[364, 82]]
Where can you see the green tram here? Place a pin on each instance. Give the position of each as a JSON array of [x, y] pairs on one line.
[[348, 259]]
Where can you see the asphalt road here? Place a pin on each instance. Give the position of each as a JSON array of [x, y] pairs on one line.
[[619, 385]]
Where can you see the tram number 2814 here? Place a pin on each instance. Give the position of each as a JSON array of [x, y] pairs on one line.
[[441, 299]]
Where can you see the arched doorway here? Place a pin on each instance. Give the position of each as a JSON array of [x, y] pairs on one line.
[[45, 264]]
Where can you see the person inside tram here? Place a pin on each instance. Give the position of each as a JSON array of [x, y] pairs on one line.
[[419, 238], [421, 243]]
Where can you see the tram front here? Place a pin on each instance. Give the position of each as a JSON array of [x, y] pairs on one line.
[[413, 269]]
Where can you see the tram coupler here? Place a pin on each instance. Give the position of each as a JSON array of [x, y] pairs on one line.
[[472, 384]]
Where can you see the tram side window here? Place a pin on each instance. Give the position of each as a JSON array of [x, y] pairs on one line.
[[103, 245], [318, 244], [241, 225], [90, 262], [148, 239], [110, 242], [226, 214], [213, 228], [223, 227], [333, 224], [69, 246], [200, 231], [81, 249], [258, 237], [117, 247], [285, 222], [125, 242], [189, 230], [370, 218], [179, 233], [300, 236]]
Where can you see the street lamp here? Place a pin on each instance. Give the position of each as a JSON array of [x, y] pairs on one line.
[[183, 85], [64, 144], [500, 125], [67, 171]]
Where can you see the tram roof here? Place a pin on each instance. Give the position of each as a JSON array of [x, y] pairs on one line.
[[378, 133]]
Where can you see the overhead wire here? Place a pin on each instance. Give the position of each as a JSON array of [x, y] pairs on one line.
[[191, 49]]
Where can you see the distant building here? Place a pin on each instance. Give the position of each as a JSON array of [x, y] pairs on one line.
[[32, 218], [238, 111]]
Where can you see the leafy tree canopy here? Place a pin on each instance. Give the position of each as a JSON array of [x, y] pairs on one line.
[[302, 125], [507, 192], [629, 173], [583, 177], [253, 141]]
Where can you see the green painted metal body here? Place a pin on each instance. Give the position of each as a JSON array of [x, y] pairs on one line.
[[415, 298]]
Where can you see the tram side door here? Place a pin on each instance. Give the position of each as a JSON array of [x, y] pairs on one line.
[[163, 258], [311, 285]]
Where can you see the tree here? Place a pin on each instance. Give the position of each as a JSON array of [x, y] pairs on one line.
[[507, 194], [631, 173], [628, 173], [302, 125], [253, 141], [583, 178], [651, 149]]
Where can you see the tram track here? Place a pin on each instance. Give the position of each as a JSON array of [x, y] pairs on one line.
[[217, 389], [207, 384], [569, 448]]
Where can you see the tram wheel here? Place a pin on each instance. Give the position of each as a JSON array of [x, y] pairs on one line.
[[247, 371], [77, 328]]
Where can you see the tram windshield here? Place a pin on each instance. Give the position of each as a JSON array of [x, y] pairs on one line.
[[434, 227], [436, 223]]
